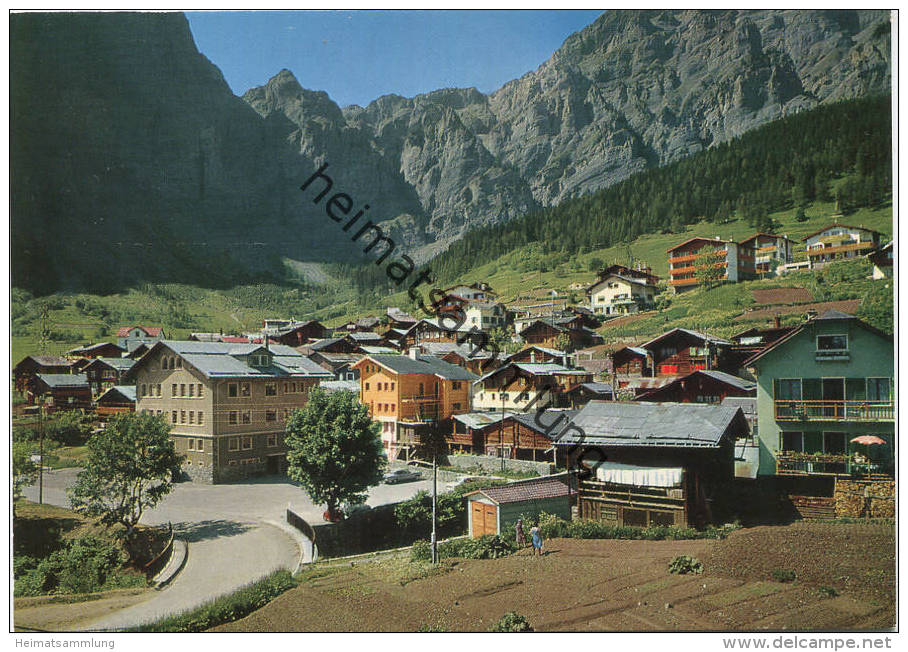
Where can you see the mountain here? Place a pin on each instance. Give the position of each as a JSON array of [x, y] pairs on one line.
[[133, 161]]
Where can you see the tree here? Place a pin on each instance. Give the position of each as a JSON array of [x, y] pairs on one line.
[[334, 448], [708, 271], [564, 343], [800, 215], [25, 471], [595, 264], [131, 466]]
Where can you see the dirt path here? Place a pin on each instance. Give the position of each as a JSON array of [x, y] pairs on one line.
[[43, 614], [614, 586]]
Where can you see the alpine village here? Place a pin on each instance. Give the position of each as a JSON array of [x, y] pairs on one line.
[[620, 335]]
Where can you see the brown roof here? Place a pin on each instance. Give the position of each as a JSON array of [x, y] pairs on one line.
[[782, 295], [768, 235], [151, 331], [849, 306], [678, 246], [534, 489]]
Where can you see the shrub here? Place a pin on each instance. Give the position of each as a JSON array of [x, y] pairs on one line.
[[553, 527], [226, 608], [511, 622], [84, 565], [827, 591], [421, 551], [684, 564], [783, 575]]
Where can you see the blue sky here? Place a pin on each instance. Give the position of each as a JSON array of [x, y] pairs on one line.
[[357, 56]]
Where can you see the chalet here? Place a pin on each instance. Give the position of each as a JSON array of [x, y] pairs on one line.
[[839, 241], [882, 261], [734, 261], [678, 352], [103, 373], [703, 386], [61, 392], [129, 337], [397, 318], [475, 359], [513, 435], [27, 370], [367, 338], [485, 316], [827, 382], [496, 509], [525, 385], [99, 350], [648, 464], [620, 291], [300, 333], [227, 404], [750, 342], [551, 333], [438, 330], [342, 344], [586, 392], [541, 354], [117, 399], [410, 396], [473, 292], [770, 251]]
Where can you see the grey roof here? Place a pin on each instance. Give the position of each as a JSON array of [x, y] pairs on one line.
[[466, 351], [49, 360], [539, 369], [206, 337], [99, 345], [834, 315], [64, 380], [219, 359], [365, 337], [376, 349], [122, 364], [340, 386], [597, 388], [423, 364], [748, 404], [685, 425], [128, 392], [328, 341], [477, 420], [697, 334], [553, 352], [734, 381], [547, 422]]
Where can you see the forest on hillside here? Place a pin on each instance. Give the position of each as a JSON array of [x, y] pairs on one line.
[[791, 162]]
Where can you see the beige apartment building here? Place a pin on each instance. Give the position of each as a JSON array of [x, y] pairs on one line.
[[227, 404]]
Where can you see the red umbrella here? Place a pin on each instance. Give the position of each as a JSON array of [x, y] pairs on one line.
[[868, 440]]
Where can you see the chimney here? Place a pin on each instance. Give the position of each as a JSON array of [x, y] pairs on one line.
[[413, 352], [777, 321]]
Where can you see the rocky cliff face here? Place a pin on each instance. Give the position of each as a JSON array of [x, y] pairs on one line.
[[133, 161]]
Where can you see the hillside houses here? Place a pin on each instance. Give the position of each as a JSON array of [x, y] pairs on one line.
[[839, 241], [620, 290]]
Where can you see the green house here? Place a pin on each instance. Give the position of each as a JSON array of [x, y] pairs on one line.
[[820, 387]]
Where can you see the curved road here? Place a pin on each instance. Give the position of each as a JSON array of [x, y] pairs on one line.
[[230, 535]]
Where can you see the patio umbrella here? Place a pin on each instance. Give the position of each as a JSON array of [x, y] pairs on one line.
[[868, 440]]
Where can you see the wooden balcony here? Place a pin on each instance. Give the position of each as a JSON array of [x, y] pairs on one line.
[[828, 464], [683, 281], [420, 408], [835, 249], [834, 410]]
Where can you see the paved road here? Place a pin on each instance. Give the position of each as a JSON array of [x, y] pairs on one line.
[[231, 542]]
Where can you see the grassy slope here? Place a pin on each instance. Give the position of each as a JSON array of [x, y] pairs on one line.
[[197, 309]]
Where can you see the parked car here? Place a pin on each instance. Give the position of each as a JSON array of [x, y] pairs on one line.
[[402, 475]]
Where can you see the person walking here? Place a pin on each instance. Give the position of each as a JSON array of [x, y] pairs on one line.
[[521, 537], [537, 540]]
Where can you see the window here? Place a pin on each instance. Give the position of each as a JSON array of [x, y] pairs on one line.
[[191, 390], [173, 389], [232, 390], [878, 389], [270, 415], [173, 416], [233, 444], [182, 416], [247, 443], [245, 389], [142, 393], [788, 389], [190, 444], [455, 384], [293, 387], [367, 387], [200, 417], [182, 389], [163, 363], [834, 442], [247, 416], [192, 417], [158, 389], [199, 390], [231, 417], [793, 441], [832, 342], [179, 363], [272, 440], [286, 388], [270, 389], [456, 406]]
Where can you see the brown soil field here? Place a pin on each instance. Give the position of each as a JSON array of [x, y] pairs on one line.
[[610, 585], [56, 614]]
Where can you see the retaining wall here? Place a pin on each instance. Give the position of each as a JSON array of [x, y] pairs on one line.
[[492, 464]]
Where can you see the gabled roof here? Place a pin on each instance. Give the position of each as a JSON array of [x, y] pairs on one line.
[[547, 422], [537, 369], [768, 235], [377, 349], [689, 240], [151, 331], [423, 364], [120, 364], [465, 351], [662, 425], [127, 392], [399, 315], [719, 376], [479, 420], [836, 225], [629, 279], [829, 315], [686, 331], [92, 347], [552, 486], [48, 360], [365, 337], [594, 388], [223, 360], [64, 380], [340, 386]]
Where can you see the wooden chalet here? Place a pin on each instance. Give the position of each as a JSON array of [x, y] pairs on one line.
[[586, 392], [103, 373], [535, 353], [26, 371], [61, 392], [678, 352], [513, 435], [300, 333], [647, 464], [704, 386], [118, 399], [549, 332], [99, 350]]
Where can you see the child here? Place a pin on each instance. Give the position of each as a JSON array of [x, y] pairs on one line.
[[537, 540]]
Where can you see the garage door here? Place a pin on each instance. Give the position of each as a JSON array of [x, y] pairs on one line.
[[485, 519]]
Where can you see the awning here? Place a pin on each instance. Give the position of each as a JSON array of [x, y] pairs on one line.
[[639, 476]]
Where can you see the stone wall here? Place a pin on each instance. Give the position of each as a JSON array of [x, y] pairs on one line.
[[865, 498], [492, 464]]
